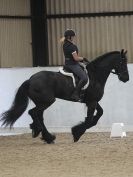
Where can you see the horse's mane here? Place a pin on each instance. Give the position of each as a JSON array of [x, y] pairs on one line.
[[101, 57], [94, 63]]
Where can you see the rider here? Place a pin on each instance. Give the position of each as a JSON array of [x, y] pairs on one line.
[[72, 62]]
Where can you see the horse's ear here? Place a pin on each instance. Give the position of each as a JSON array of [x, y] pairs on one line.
[[122, 51], [125, 52]]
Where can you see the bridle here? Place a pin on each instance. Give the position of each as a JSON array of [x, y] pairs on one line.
[[120, 66]]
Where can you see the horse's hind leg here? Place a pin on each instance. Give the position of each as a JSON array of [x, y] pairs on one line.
[[36, 125], [46, 136]]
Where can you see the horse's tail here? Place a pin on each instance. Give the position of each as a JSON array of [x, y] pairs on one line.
[[19, 105]]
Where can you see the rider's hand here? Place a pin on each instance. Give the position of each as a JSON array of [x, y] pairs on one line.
[[85, 60]]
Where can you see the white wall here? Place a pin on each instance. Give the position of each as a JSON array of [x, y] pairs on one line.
[[117, 101]]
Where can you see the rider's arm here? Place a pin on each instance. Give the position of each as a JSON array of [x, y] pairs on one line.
[[76, 57]]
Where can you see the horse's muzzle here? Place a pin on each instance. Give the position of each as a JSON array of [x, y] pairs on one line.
[[124, 77]]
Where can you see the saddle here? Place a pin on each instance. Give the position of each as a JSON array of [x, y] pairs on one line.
[[67, 72]]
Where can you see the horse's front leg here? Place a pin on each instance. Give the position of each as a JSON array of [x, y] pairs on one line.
[[90, 122], [79, 130]]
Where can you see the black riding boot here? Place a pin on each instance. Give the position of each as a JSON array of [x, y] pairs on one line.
[[76, 94]]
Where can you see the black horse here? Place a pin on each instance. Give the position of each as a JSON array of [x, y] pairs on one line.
[[44, 87]]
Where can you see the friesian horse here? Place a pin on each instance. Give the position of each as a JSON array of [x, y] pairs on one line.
[[45, 86]]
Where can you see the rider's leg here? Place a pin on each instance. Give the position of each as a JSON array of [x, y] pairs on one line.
[[77, 70]]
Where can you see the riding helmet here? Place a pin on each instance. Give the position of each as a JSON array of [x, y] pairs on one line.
[[69, 32]]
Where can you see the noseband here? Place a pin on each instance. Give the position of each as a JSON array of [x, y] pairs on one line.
[[114, 72]]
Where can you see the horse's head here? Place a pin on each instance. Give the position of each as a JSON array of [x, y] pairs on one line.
[[121, 67]]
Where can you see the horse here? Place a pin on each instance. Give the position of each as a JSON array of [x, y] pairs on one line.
[[45, 86]]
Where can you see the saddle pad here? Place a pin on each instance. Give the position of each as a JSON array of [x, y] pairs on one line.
[[72, 76], [68, 74]]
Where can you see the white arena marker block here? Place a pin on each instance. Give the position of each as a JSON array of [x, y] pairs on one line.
[[118, 130]]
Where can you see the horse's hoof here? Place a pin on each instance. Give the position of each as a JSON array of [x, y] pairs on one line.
[[78, 131], [75, 137], [49, 140], [35, 133]]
